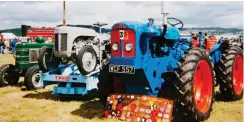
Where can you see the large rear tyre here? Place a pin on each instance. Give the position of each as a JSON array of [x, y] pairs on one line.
[[195, 85], [8, 76], [32, 78], [230, 73], [47, 60], [87, 60]]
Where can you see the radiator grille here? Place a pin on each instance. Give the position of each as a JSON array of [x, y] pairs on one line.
[[63, 42], [56, 43]]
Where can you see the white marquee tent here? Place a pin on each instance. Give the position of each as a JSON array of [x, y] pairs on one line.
[[8, 35]]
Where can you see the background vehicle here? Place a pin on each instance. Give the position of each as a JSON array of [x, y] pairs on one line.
[[26, 60]]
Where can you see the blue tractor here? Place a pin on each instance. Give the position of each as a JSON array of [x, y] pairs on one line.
[[147, 59]]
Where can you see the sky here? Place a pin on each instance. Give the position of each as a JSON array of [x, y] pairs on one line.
[[192, 14]]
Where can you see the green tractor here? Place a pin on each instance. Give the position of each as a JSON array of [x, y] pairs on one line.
[[26, 65]]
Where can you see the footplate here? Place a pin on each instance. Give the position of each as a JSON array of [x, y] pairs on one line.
[[138, 108]]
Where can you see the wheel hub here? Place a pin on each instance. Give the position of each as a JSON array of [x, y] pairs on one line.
[[36, 80], [237, 75], [202, 86], [88, 61]]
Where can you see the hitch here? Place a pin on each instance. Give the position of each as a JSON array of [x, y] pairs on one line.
[[138, 108]]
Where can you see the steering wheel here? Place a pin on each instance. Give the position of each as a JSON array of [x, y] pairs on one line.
[[178, 23]]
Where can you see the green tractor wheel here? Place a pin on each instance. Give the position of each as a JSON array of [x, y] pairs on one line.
[[8, 76], [32, 78]]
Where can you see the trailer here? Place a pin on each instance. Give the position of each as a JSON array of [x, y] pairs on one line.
[[70, 81]]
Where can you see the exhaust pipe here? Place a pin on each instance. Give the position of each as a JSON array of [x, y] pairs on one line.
[[64, 14], [165, 12]]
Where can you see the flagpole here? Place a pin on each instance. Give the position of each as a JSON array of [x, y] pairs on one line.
[[64, 16]]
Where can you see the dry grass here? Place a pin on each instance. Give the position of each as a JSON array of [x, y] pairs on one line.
[[16, 104]]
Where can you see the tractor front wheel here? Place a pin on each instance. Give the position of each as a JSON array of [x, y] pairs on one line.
[[8, 76], [87, 60], [32, 78], [108, 84], [195, 85], [230, 73]]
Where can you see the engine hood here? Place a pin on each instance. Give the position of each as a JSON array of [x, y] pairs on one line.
[[104, 36], [33, 45], [76, 30]]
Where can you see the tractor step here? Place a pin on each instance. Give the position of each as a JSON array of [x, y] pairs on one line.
[[138, 108]]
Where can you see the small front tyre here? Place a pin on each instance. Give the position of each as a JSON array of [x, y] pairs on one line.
[[32, 78], [108, 84], [87, 60]]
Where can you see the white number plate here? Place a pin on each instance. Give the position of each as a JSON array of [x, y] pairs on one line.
[[122, 69]]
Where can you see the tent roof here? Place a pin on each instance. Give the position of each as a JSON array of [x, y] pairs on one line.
[[8, 35]]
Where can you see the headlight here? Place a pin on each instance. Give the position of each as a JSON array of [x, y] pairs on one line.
[[115, 46], [128, 46]]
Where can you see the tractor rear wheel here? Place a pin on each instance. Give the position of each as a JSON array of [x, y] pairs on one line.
[[195, 85], [230, 73], [32, 78], [87, 60], [108, 84], [8, 76], [47, 60]]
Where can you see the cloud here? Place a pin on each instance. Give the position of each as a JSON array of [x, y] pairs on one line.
[[193, 14]]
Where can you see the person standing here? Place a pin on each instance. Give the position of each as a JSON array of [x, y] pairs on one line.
[[1, 46], [13, 45], [7, 45]]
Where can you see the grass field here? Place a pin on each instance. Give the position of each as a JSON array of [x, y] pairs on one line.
[[17, 104]]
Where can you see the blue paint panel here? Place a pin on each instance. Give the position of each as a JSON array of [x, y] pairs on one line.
[[216, 53], [123, 61], [69, 91], [172, 33]]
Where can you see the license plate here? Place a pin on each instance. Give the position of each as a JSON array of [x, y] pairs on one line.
[[122, 69], [62, 78]]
